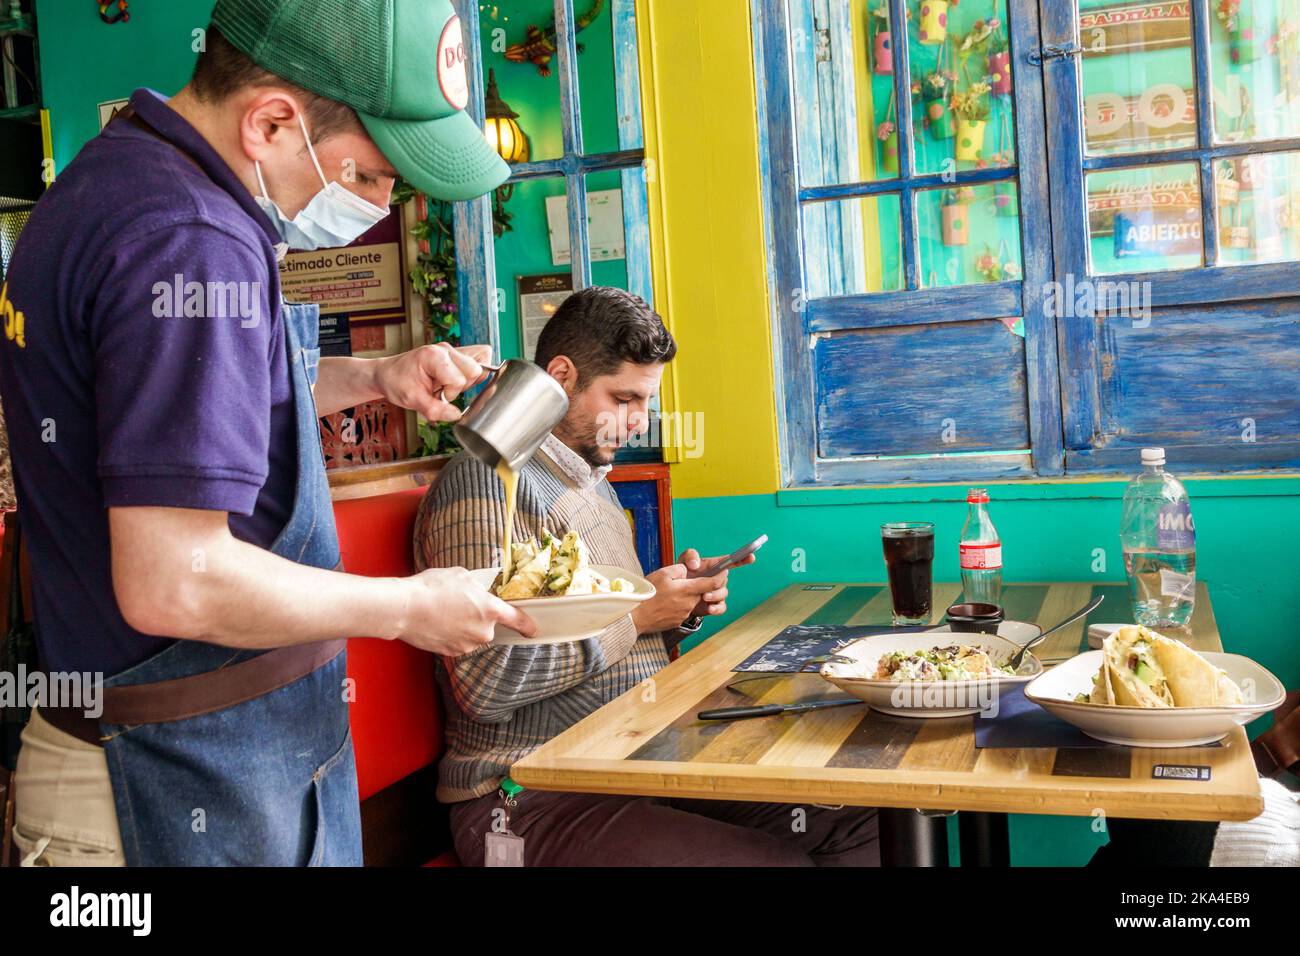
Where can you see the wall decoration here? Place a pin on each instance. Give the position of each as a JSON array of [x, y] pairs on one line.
[[370, 433], [934, 22], [539, 297], [956, 219], [999, 60], [882, 56], [887, 135], [972, 109], [605, 235], [118, 16], [938, 118], [538, 45]]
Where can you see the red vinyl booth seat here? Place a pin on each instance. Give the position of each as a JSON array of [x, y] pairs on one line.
[[397, 722]]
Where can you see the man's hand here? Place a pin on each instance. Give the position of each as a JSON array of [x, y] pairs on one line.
[[426, 379], [677, 596], [447, 613], [707, 606]]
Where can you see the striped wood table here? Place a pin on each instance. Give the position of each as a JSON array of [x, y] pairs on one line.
[[649, 742]]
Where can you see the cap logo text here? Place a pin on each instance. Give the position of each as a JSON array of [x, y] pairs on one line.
[[452, 79]]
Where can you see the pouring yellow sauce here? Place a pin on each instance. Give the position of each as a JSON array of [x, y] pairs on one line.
[[510, 479]]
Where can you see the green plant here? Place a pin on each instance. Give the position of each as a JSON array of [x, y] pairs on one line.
[[435, 280]]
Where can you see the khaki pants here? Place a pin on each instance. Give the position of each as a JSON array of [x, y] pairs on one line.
[[63, 801]]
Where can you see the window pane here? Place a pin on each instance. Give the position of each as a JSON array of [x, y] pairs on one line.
[[1144, 219], [1139, 90], [1255, 62], [842, 63], [969, 234], [851, 246], [960, 60], [1259, 210], [527, 73], [528, 270]]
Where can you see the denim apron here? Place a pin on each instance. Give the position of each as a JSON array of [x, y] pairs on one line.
[[270, 781]]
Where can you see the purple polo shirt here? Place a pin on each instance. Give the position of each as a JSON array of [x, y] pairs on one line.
[[151, 369]]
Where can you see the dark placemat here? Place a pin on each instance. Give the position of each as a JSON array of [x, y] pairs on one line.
[[787, 651]]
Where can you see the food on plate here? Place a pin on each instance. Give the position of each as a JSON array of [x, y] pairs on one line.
[[552, 568], [957, 662], [1141, 668]]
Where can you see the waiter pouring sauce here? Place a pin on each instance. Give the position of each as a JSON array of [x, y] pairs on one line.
[[167, 453]]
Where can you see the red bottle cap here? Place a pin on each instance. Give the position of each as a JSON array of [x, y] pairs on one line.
[[977, 496]]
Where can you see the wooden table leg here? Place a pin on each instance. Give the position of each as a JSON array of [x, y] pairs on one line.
[[911, 838], [984, 839]]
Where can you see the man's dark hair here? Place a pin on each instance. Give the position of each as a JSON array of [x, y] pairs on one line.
[[600, 328], [222, 70]]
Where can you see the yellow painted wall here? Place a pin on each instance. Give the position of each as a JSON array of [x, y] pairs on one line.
[[697, 63]]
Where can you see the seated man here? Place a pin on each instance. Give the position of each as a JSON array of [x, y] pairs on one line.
[[607, 348]]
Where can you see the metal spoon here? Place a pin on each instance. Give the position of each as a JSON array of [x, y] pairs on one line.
[[1020, 655]]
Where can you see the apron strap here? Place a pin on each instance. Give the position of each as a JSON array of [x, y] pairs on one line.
[[164, 701]]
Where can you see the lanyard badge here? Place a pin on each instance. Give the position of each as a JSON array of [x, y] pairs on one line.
[[500, 846]]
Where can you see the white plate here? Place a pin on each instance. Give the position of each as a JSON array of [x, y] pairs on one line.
[[952, 698], [571, 617], [1155, 726]]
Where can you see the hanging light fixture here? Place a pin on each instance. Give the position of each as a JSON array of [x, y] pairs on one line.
[[502, 131], [500, 126]]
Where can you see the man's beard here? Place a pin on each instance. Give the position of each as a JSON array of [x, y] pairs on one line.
[[586, 447]]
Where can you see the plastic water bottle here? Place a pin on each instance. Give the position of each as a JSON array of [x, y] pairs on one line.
[[1159, 541], [981, 552]]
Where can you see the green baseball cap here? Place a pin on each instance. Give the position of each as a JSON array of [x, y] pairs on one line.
[[399, 63]]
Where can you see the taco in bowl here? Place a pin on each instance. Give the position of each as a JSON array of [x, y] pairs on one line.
[[1141, 668]]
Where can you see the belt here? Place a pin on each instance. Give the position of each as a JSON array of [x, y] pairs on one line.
[[165, 701]]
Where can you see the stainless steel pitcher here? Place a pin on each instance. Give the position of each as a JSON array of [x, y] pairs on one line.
[[513, 414]]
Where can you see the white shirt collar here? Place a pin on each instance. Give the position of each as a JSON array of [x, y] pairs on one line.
[[574, 465]]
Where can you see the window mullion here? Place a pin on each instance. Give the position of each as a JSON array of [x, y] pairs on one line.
[[1205, 129], [903, 124], [472, 220], [571, 123]]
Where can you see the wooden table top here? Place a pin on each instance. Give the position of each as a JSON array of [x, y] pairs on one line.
[[648, 741]]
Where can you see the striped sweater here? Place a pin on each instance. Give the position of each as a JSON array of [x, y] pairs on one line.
[[504, 702]]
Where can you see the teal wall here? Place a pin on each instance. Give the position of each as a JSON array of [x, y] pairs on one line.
[[85, 61], [1246, 534]]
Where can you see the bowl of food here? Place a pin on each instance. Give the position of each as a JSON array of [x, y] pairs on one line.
[[568, 597], [937, 673], [1143, 689]]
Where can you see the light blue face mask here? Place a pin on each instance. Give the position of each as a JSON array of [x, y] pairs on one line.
[[335, 216]]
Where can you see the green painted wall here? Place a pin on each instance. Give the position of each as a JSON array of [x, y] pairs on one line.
[[85, 61], [1246, 546]]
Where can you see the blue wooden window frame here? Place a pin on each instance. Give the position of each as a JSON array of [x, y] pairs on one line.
[[476, 263], [1063, 357], [1089, 447], [800, 322]]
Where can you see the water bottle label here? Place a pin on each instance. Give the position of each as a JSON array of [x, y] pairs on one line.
[[1180, 587], [981, 557], [1174, 528]]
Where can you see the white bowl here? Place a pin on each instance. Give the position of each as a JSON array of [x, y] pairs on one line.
[[1155, 726], [573, 617], [943, 698]]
